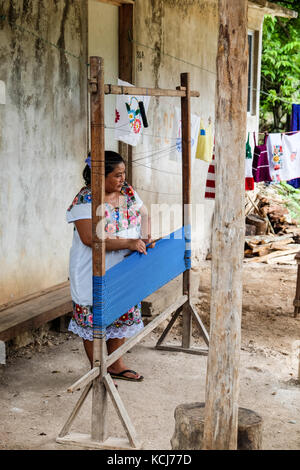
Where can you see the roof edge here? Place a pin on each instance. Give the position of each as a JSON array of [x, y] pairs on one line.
[[273, 9]]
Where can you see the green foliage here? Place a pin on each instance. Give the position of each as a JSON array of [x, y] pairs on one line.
[[280, 69]]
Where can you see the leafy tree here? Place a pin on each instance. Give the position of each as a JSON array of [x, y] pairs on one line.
[[280, 71]]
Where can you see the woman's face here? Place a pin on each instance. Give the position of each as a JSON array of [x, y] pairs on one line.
[[115, 180]]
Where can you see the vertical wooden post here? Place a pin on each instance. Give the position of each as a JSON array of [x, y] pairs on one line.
[[186, 196], [99, 403], [222, 382], [126, 61]]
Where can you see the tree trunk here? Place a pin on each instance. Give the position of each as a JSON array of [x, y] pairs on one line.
[[222, 382], [189, 424]]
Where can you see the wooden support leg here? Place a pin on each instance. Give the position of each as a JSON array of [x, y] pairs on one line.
[[190, 312], [170, 324], [200, 324], [297, 296], [186, 327], [99, 405], [122, 413], [74, 413]]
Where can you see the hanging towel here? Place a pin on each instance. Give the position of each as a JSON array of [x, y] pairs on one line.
[[128, 119], [291, 151], [249, 180], [260, 165], [205, 143], [284, 156], [210, 189], [176, 154]]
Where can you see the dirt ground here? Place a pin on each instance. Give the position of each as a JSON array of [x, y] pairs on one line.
[[35, 403]]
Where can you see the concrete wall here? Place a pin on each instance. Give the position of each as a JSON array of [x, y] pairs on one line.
[[165, 32], [103, 41], [43, 123], [255, 24], [180, 37], [42, 139]]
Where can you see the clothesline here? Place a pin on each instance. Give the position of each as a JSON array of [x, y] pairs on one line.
[[268, 133]]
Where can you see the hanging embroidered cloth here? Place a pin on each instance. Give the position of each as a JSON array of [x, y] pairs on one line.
[[128, 119], [176, 137], [284, 156]]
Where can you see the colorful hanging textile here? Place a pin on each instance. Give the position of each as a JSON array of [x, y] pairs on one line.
[[295, 126], [210, 190], [284, 156], [176, 154], [205, 143], [128, 119], [249, 181], [260, 165]]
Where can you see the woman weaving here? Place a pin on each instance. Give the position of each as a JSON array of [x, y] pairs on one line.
[[126, 221]]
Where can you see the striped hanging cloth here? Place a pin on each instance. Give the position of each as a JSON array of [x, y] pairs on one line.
[[210, 189]]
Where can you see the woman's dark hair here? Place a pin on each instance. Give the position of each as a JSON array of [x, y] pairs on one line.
[[112, 159]]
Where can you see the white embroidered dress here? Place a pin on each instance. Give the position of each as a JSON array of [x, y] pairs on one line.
[[123, 221]]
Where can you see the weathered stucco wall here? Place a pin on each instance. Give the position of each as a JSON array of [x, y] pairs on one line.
[[103, 41], [42, 138], [255, 24], [181, 36]]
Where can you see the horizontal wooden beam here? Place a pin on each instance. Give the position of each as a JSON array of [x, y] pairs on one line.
[[34, 312], [270, 8], [117, 3], [85, 380], [172, 348], [129, 90], [145, 331]]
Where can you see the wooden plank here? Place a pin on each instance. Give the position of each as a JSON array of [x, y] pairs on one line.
[[26, 298], [169, 326], [142, 91], [171, 348], [185, 82], [117, 3], [259, 212], [121, 411], [271, 8], [274, 254], [200, 324], [34, 313], [75, 411], [222, 383], [86, 441], [145, 331], [85, 380], [99, 402]]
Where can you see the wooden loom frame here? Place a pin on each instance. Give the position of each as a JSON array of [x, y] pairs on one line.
[[98, 379]]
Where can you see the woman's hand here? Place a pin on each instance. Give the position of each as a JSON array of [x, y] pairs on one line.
[[150, 242], [137, 245]]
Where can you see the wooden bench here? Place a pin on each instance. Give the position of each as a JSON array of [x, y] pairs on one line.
[[33, 311]]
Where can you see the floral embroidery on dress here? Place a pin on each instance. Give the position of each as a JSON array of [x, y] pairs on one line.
[[117, 219], [83, 316], [83, 197]]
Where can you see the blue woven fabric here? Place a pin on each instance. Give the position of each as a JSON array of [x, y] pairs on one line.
[[137, 276]]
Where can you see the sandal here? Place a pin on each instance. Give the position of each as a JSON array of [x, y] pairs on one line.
[[121, 375]]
